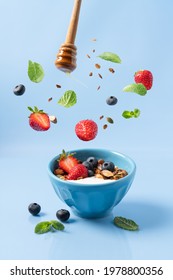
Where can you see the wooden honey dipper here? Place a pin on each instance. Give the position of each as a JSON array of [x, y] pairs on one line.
[[66, 57]]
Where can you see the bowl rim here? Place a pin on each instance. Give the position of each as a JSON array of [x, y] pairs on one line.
[[71, 183]]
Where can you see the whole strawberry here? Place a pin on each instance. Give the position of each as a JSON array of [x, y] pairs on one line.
[[67, 161], [144, 77], [86, 130], [38, 120], [78, 171]]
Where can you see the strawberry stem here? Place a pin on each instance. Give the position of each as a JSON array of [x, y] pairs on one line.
[[35, 110], [64, 155]]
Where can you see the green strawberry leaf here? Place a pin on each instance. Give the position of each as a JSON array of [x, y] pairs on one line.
[[68, 99], [57, 225], [30, 109], [125, 223], [43, 227], [36, 109], [137, 88], [35, 72], [110, 57]]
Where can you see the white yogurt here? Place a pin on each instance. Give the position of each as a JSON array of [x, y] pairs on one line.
[[91, 180]]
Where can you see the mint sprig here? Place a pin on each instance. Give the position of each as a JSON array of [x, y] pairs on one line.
[[126, 224], [131, 114], [57, 225], [136, 88], [35, 72], [47, 226], [68, 99], [43, 227], [110, 57]]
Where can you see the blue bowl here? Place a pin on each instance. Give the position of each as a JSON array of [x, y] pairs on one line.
[[94, 200]]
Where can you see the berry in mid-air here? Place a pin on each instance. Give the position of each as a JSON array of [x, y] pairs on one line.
[[67, 161], [86, 130], [112, 100], [38, 120], [19, 90], [78, 171], [63, 215], [93, 161], [144, 77], [108, 165], [34, 209]]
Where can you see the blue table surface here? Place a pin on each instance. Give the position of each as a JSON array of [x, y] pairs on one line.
[[148, 202], [140, 33]]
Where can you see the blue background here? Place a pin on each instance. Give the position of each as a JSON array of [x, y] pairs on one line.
[[140, 32]]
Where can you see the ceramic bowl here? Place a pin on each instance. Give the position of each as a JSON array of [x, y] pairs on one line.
[[94, 200]]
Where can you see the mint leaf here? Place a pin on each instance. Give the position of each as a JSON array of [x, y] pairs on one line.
[[127, 114], [68, 99], [57, 225], [136, 113], [110, 57], [125, 223], [137, 88], [43, 227], [131, 114], [35, 72]]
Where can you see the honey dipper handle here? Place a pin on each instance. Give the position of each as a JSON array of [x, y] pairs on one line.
[[71, 33]]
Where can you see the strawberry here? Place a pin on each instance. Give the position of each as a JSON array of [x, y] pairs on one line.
[[78, 171], [39, 120], [67, 161], [86, 130], [144, 77]]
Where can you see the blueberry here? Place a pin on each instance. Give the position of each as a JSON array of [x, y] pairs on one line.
[[93, 161], [63, 215], [19, 90], [112, 100], [90, 173], [108, 165], [34, 208], [88, 165]]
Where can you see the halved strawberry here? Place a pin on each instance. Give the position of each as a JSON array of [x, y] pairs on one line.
[[39, 120], [67, 161], [78, 171]]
